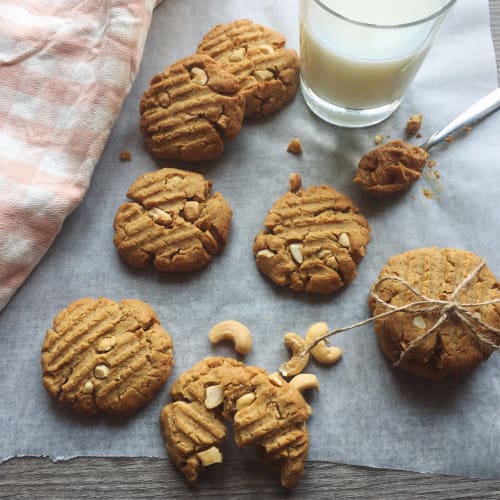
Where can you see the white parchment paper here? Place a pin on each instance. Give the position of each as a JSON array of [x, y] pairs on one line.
[[367, 412]]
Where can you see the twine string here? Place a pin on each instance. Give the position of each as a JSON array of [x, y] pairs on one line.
[[446, 309]]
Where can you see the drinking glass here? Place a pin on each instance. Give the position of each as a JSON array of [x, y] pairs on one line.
[[358, 57]]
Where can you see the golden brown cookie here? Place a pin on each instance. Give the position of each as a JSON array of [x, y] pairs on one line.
[[172, 221], [190, 109], [313, 240], [101, 356], [265, 410], [267, 71], [452, 348], [390, 168]]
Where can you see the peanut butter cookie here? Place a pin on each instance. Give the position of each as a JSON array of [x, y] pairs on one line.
[[172, 221], [265, 410], [190, 109], [314, 239], [267, 71], [451, 348], [101, 356]]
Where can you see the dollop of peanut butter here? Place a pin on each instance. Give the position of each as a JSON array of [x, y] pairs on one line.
[[390, 168]]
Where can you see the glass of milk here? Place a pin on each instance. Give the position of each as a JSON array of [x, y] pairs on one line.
[[358, 57]]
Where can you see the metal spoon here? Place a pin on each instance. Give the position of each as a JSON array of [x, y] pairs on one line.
[[381, 173], [476, 112]]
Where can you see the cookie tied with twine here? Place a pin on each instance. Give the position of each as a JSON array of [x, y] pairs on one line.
[[436, 312]]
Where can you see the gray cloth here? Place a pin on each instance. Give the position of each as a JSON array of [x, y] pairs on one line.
[[367, 412]]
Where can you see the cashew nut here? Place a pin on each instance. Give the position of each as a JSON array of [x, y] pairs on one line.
[[304, 381], [266, 253], [245, 400], [214, 396], [191, 210], [321, 352], [419, 322], [198, 76], [160, 216], [88, 388], [101, 371], [297, 363], [210, 456], [233, 331], [267, 49], [275, 379], [237, 55], [296, 252], [344, 240], [262, 75], [106, 344]]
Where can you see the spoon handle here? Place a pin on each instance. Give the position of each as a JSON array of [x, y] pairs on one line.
[[476, 112]]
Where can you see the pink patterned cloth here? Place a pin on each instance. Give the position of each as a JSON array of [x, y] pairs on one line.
[[65, 69]]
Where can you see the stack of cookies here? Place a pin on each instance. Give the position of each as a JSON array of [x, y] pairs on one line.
[[241, 69]]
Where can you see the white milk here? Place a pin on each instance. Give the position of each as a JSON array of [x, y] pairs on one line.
[[358, 67], [385, 12]]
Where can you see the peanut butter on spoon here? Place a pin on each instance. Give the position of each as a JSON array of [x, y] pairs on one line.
[[395, 166], [390, 168]]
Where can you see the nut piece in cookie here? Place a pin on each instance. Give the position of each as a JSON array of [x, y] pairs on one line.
[[313, 241], [266, 412], [101, 356], [390, 168], [451, 348], [267, 71], [172, 221], [190, 109]]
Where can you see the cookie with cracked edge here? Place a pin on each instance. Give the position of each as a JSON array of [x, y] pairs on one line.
[[435, 272], [172, 221], [265, 410], [313, 241], [190, 109], [102, 356], [267, 71]]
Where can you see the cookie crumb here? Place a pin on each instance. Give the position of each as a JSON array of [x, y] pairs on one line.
[[419, 135], [427, 193], [413, 124], [295, 147], [437, 174], [431, 163], [378, 139], [450, 139], [125, 156], [467, 129], [294, 182]]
